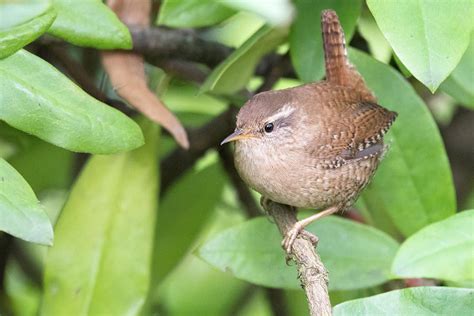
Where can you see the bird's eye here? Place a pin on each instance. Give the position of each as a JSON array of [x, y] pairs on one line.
[[268, 127]]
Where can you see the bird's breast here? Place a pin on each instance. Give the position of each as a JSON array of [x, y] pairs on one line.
[[291, 179]]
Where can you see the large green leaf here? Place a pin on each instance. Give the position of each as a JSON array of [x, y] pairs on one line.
[[234, 72], [175, 211], [33, 20], [89, 23], [443, 250], [21, 215], [419, 301], [192, 13], [460, 84], [423, 35], [37, 99], [251, 251], [101, 261], [400, 190], [306, 42]]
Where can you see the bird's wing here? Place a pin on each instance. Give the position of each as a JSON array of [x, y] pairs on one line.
[[371, 122], [357, 135]]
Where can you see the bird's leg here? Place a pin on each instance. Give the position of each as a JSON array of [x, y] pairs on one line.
[[298, 228]]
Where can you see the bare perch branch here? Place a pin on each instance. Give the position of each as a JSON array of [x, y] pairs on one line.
[[311, 271]]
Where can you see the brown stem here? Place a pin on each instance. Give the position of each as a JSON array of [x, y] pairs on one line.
[[160, 42], [312, 274]]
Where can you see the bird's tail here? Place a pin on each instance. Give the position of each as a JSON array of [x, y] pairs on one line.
[[338, 69]]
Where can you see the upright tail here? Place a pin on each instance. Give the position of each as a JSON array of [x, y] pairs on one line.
[[338, 69], [334, 44]]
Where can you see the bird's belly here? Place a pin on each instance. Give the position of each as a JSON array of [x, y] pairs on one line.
[[306, 186]]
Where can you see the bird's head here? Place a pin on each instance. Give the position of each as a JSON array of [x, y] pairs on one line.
[[269, 116]]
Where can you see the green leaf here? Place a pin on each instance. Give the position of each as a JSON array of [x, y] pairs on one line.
[[251, 251], [205, 188], [235, 30], [423, 35], [460, 84], [101, 261], [419, 301], [44, 166], [37, 99], [275, 12], [306, 42], [89, 23], [400, 190], [16, 12], [218, 291], [401, 67], [23, 32], [378, 45], [443, 250], [21, 215], [24, 295], [173, 292], [234, 72], [338, 297], [192, 13]]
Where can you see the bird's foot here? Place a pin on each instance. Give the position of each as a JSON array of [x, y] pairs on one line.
[[293, 233]]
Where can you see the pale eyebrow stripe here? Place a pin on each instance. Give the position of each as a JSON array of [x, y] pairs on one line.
[[285, 111]]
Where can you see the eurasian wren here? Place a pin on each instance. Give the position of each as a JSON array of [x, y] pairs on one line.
[[316, 145]]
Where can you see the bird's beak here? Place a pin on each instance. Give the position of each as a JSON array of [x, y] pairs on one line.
[[236, 135]]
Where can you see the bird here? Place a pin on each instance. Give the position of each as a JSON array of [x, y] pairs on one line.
[[313, 146]]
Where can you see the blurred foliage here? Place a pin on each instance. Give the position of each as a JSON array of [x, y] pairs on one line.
[[251, 251], [125, 245]]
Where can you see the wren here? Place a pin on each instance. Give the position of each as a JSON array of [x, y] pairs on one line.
[[317, 145]]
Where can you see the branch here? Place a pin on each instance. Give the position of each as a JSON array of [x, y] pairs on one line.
[[311, 271], [158, 43], [161, 42]]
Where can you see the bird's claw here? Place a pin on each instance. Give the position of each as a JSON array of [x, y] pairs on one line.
[[293, 233], [310, 237]]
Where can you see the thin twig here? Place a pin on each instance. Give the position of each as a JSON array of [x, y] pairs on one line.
[[312, 274]]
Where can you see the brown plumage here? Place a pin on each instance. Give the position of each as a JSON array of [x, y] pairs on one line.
[[316, 145]]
